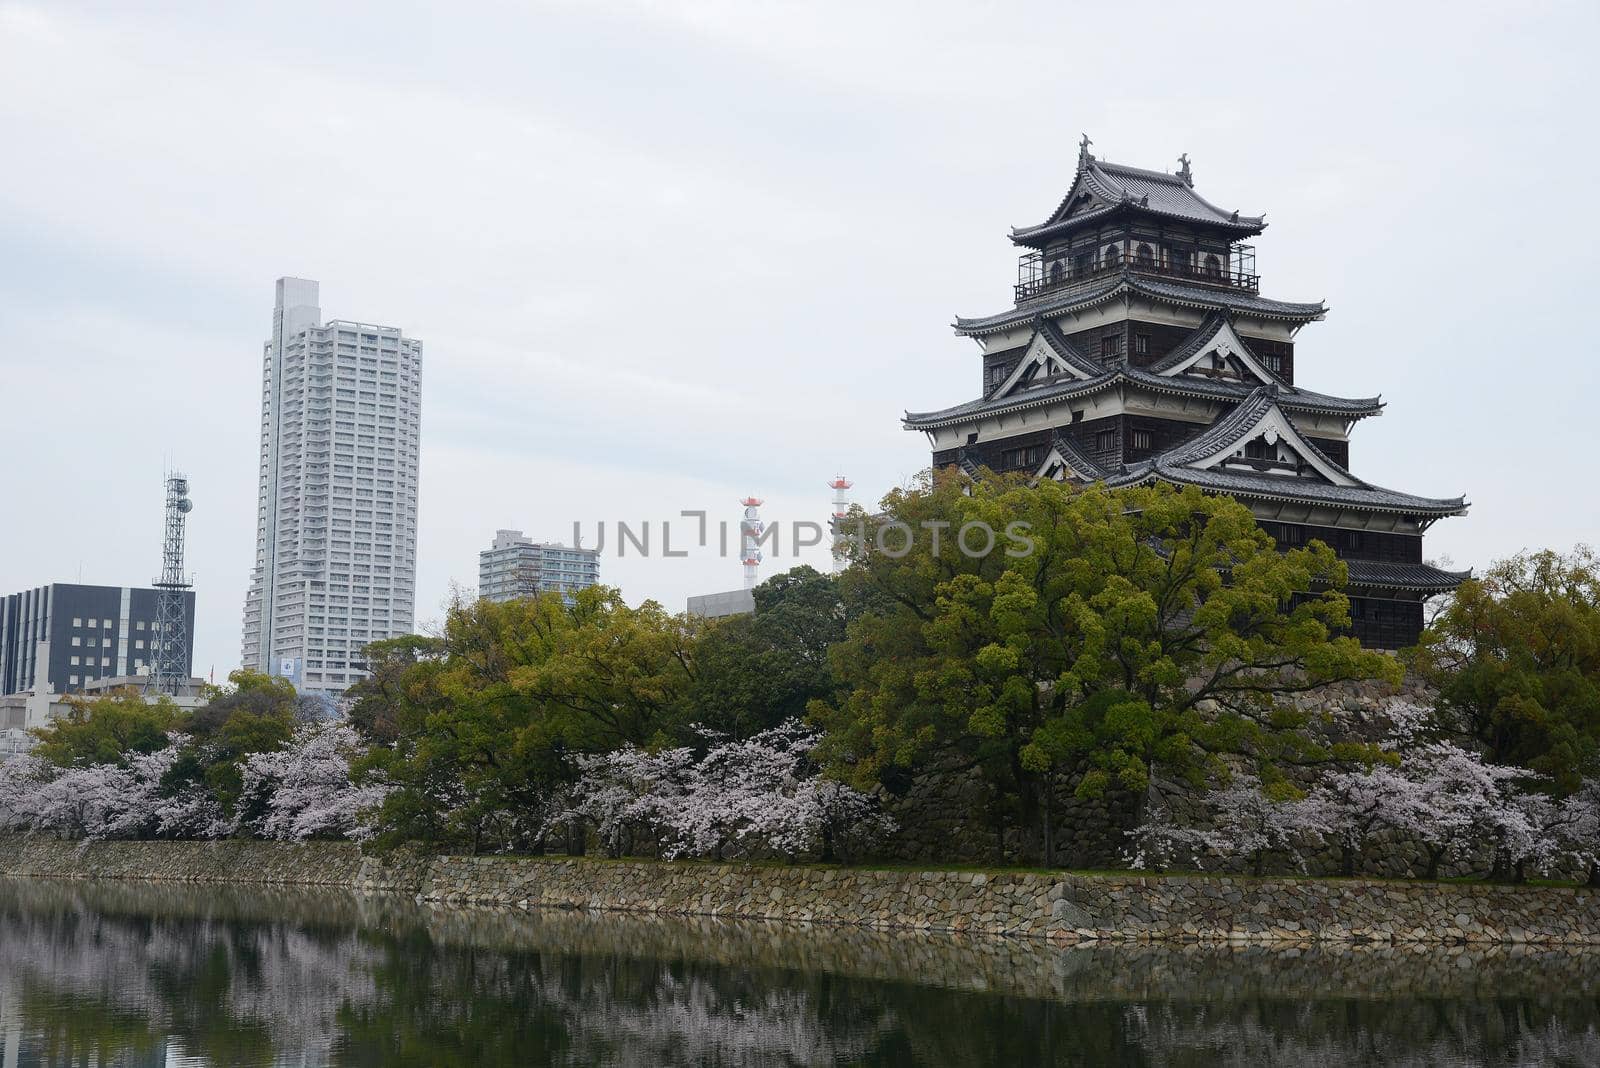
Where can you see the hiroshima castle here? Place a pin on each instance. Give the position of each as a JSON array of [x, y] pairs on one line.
[[1141, 350]]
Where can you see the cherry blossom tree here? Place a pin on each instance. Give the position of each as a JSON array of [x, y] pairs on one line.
[[629, 795], [1243, 822], [762, 793], [304, 790]]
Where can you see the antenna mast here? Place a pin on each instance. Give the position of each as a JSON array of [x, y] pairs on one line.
[[167, 667], [841, 508], [750, 540]]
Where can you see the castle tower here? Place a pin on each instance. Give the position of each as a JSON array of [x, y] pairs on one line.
[[1139, 349]]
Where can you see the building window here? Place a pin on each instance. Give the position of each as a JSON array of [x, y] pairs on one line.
[[1011, 459], [140, 625], [72, 680], [76, 640], [1145, 255], [997, 374], [1105, 440], [1273, 361], [93, 623], [1112, 255], [1141, 439], [1111, 345], [74, 661], [77, 622], [1141, 344], [1213, 266]]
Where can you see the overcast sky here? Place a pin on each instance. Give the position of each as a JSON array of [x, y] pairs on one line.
[[662, 256]]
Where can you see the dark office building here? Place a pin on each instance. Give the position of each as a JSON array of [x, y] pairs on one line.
[[94, 632]]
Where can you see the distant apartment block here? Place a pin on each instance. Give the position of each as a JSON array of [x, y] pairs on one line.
[[336, 528], [68, 636], [516, 566]]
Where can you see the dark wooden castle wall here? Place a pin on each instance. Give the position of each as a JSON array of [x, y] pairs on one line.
[[1351, 544]]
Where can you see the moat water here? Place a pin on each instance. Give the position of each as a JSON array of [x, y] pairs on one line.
[[127, 974]]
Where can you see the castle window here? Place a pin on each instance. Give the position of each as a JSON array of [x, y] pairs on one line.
[[1011, 459], [1141, 440], [1260, 450], [1213, 266], [1179, 259], [1141, 344], [1111, 345], [1082, 263], [1112, 255], [1273, 361], [1146, 256], [1105, 440], [1056, 271]]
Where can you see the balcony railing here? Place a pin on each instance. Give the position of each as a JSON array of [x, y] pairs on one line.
[[1039, 273]]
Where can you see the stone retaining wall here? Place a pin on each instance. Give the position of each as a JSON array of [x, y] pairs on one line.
[[1059, 906]]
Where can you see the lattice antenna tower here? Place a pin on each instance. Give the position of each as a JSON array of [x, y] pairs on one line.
[[750, 540], [167, 668]]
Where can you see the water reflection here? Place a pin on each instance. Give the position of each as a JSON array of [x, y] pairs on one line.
[[123, 974]]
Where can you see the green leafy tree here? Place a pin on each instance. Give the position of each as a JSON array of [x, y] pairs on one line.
[[474, 726], [1108, 633], [108, 729], [254, 713], [755, 671], [1516, 659]]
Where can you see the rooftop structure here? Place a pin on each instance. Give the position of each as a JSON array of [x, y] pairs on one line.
[[515, 566], [722, 605], [1139, 350]]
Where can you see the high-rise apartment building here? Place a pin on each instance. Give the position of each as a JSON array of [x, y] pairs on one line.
[[516, 566], [336, 527]]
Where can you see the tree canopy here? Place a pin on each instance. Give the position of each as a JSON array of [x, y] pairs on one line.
[[1516, 659], [1108, 632]]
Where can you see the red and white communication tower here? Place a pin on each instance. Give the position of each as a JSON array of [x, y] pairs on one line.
[[841, 507], [750, 540]]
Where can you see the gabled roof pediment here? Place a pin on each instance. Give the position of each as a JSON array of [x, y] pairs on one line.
[[1065, 462], [1259, 418], [1215, 350], [1050, 356]]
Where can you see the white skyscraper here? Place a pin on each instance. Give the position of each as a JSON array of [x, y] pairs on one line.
[[336, 529]]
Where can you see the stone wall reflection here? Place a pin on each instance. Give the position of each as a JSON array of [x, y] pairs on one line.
[[238, 976]]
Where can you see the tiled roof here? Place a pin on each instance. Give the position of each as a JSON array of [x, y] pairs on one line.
[[1076, 458], [1292, 398], [1027, 398], [1269, 487], [1289, 398], [1190, 296], [1152, 192], [1397, 576], [1174, 465]]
